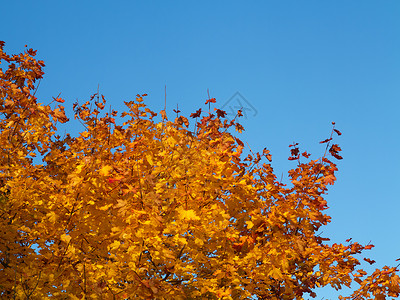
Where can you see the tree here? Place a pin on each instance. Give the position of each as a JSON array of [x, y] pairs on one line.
[[154, 210]]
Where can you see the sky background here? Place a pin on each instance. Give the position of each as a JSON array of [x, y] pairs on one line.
[[299, 65]]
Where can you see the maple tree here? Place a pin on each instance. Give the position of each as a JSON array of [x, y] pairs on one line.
[[154, 210]]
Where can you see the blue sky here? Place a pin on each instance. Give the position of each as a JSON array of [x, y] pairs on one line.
[[300, 65]]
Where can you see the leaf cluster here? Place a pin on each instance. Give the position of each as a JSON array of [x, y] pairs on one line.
[[153, 210]]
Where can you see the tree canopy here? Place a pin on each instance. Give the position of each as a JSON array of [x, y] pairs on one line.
[[166, 209]]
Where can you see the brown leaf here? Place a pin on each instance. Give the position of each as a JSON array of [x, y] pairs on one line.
[[370, 261], [325, 141], [196, 114], [337, 131], [294, 157], [220, 113], [335, 148], [294, 151]]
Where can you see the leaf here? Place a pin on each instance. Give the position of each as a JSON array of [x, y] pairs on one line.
[[211, 100], [267, 154], [66, 238], [325, 141], [106, 170], [114, 246], [199, 242], [330, 179], [100, 105], [188, 214], [182, 120], [220, 113], [370, 261], [335, 148], [51, 216], [8, 103], [60, 114], [58, 99], [196, 114], [249, 224], [294, 151], [275, 273], [163, 114], [239, 127], [337, 131], [336, 156]]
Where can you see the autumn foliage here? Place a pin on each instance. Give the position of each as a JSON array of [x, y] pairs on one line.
[[164, 209]]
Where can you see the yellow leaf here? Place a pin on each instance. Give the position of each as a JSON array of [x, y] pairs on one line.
[[106, 207], [188, 214], [249, 224], [115, 245], [66, 283], [199, 242], [275, 273], [105, 171], [65, 238], [10, 123], [149, 159], [52, 216], [79, 168]]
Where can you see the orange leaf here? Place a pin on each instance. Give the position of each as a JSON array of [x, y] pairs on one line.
[[212, 100], [330, 179], [60, 114]]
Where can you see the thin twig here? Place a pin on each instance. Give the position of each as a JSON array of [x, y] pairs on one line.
[[34, 93], [165, 98]]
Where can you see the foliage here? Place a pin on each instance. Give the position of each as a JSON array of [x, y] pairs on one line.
[[153, 210]]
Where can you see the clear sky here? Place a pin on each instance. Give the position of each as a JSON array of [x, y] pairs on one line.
[[299, 65]]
